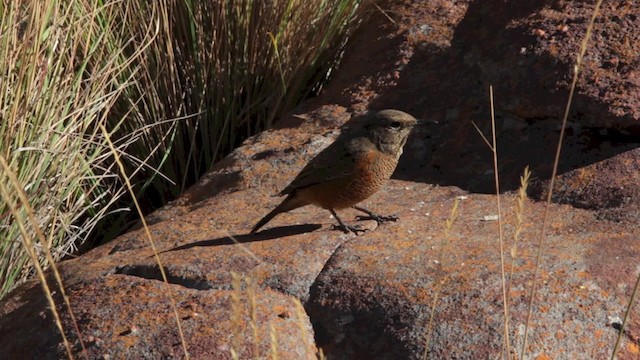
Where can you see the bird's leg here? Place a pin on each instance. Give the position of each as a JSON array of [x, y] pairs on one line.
[[371, 216], [345, 228]]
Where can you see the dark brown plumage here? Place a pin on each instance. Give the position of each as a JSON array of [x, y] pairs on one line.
[[351, 169]]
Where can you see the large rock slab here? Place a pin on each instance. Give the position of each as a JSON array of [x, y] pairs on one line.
[[374, 298], [121, 317]]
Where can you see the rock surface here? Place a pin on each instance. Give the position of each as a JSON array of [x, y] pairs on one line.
[[125, 317], [371, 296]]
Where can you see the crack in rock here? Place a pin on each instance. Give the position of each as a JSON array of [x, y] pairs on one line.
[[152, 272]]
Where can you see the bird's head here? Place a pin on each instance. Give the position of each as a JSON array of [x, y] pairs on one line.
[[389, 130]]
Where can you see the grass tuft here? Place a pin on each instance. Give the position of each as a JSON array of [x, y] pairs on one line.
[[519, 211], [110, 105], [177, 84], [58, 78]]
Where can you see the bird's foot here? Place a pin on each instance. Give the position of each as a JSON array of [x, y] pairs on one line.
[[348, 229], [378, 218]]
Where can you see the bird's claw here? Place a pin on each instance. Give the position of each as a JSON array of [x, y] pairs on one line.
[[348, 229], [378, 218]]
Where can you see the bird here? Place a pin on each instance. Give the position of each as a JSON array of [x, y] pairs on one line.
[[354, 167]]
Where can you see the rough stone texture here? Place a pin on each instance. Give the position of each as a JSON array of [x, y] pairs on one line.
[[124, 317], [609, 187], [371, 296], [378, 290]]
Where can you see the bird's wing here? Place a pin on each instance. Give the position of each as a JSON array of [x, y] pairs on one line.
[[337, 161]]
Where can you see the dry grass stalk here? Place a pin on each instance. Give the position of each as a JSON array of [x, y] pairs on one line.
[[446, 240], [576, 71]]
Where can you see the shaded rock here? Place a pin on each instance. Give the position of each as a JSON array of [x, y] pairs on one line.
[[609, 187], [524, 49]]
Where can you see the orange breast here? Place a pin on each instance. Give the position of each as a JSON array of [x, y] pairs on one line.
[[372, 170]]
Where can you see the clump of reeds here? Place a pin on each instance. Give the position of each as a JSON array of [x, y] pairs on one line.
[[59, 77], [177, 84]]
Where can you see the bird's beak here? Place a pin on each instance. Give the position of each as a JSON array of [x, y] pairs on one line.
[[426, 122]]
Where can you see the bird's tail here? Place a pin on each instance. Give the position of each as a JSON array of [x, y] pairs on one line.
[[291, 202]]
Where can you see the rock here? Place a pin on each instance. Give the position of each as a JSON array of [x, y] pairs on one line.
[[373, 299], [124, 317], [609, 187], [372, 296], [522, 50]]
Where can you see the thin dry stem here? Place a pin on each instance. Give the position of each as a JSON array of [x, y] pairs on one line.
[[494, 150], [384, 13], [244, 248], [274, 342], [486, 141], [29, 247], [445, 241], [148, 235], [45, 244], [321, 355], [302, 315], [251, 295], [236, 314], [576, 71], [626, 318]]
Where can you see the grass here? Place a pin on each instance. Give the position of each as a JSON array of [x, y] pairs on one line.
[[176, 84], [519, 213], [444, 249], [226, 70], [545, 220], [543, 228], [59, 79], [244, 314], [106, 102], [114, 151]]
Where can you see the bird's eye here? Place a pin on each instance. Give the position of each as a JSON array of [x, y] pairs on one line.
[[395, 124]]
